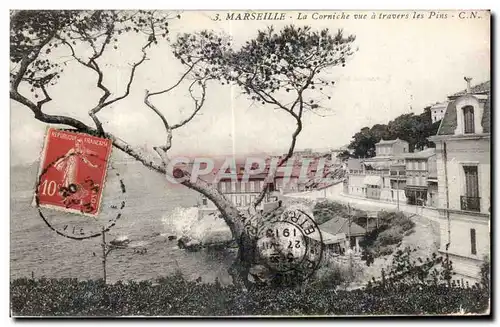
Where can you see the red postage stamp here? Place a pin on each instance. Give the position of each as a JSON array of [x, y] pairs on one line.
[[72, 172]]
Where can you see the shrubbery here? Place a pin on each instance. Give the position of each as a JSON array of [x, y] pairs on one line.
[[392, 227], [176, 296], [325, 210], [409, 286], [485, 272]]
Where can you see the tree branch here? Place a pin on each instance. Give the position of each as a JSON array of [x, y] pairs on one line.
[[92, 64], [131, 78], [197, 104], [298, 119], [191, 67], [168, 144], [46, 99], [50, 119], [27, 60], [270, 176]]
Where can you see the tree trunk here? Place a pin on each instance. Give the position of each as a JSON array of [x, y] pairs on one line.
[[235, 219], [240, 268]]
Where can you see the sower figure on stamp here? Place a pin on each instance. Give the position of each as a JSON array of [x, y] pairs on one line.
[[69, 165]]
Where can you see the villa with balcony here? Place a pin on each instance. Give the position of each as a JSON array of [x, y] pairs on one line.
[[241, 191], [421, 190], [463, 175], [381, 177]]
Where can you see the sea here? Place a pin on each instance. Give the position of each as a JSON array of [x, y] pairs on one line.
[[154, 211]]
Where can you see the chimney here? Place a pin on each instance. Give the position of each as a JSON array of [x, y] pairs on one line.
[[468, 79]]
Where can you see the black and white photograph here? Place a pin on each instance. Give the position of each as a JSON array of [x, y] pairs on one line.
[[250, 163]]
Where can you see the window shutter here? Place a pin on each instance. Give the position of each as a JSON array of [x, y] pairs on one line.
[[473, 248]]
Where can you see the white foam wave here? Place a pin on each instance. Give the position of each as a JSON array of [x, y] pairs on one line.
[[185, 222], [181, 220]]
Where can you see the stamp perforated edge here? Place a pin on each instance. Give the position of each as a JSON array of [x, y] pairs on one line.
[[41, 168]]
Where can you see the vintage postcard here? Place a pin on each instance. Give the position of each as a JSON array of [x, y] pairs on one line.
[[250, 163]]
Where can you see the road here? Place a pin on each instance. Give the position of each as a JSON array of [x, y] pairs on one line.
[[335, 194], [425, 237]]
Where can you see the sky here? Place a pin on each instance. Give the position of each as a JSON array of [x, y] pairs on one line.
[[401, 66]]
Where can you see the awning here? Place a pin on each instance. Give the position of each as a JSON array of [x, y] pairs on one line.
[[328, 238], [332, 239], [415, 188], [372, 180]]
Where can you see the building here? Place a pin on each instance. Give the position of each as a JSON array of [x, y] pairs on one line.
[[463, 174], [419, 189], [355, 178], [340, 226], [397, 180], [432, 182], [240, 191], [336, 152], [287, 183], [387, 148], [333, 245], [305, 173], [384, 179], [437, 111], [381, 177]]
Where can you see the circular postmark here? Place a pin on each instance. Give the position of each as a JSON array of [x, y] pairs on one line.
[[78, 194], [290, 245]]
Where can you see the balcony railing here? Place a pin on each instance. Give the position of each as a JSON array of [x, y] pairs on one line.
[[377, 172], [470, 203]]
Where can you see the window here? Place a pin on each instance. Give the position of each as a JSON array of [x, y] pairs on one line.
[[468, 119], [204, 201], [222, 187], [471, 201], [473, 248], [471, 181], [252, 186], [257, 186]]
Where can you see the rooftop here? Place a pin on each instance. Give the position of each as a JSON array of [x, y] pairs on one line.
[[340, 225], [449, 122], [421, 154], [482, 88], [439, 105], [382, 141], [354, 163]]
